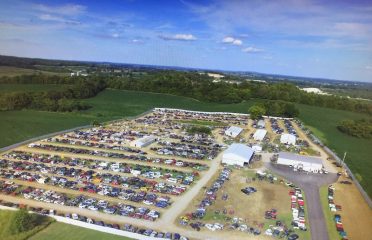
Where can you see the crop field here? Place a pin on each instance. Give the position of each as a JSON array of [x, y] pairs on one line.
[[62, 231], [114, 104], [7, 88]]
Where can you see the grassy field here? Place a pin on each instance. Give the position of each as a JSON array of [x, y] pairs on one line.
[[62, 231], [113, 104], [16, 126], [15, 71], [332, 232], [6, 216], [6, 88]]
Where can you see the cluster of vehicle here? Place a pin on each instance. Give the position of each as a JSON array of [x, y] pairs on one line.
[[298, 209], [104, 135], [89, 203], [138, 157], [176, 114], [186, 150], [339, 227], [94, 144], [117, 167], [275, 126], [280, 230], [271, 214], [288, 125], [125, 227], [248, 190], [209, 198], [332, 206]]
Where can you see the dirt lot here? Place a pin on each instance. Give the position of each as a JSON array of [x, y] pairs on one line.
[[356, 214]]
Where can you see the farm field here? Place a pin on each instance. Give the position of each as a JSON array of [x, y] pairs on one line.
[[15, 71], [7, 88], [62, 231], [114, 104]]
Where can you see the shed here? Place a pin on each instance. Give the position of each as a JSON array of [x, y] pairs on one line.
[[287, 138], [233, 131], [306, 163], [237, 154], [257, 148], [259, 135], [143, 142]]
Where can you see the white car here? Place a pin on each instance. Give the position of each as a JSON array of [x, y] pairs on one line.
[[93, 208], [75, 216], [210, 226], [148, 202]]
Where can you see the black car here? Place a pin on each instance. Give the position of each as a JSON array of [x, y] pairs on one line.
[[293, 236]]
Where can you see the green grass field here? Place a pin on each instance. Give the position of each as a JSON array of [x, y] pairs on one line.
[[62, 231], [15, 71], [6, 216], [16, 126], [7, 88]]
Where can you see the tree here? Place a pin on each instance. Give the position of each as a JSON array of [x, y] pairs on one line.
[[256, 111], [22, 221]]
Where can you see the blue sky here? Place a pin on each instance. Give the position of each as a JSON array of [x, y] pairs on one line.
[[330, 39]]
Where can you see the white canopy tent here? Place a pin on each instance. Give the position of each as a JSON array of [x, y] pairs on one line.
[[237, 154]]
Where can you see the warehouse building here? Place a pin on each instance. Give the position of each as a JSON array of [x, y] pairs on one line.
[[259, 135], [237, 154], [143, 142], [233, 131], [301, 162], [287, 138]]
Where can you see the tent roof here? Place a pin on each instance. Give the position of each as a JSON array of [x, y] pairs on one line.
[[301, 158], [240, 150]]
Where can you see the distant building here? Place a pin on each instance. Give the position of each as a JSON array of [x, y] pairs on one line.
[[259, 135], [237, 154], [306, 163], [233, 131], [215, 75], [287, 138], [143, 142], [314, 90]]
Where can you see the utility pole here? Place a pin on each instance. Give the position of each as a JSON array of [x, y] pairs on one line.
[[343, 164]]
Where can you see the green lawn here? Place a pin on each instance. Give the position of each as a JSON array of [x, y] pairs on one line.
[[62, 231], [6, 88], [5, 221], [111, 104], [328, 215]]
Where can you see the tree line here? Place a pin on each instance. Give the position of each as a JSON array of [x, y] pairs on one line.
[[64, 100], [202, 87], [361, 128]]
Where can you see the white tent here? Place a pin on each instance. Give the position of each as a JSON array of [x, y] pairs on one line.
[[233, 131], [306, 163], [237, 154], [143, 142], [257, 148], [259, 135], [287, 138]]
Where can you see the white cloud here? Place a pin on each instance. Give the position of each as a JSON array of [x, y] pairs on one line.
[[53, 18], [252, 50], [67, 9], [233, 41], [369, 67], [179, 37]]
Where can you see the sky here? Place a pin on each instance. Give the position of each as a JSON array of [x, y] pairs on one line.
[[324, 39]]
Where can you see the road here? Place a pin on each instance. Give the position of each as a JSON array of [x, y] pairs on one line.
[[310, 184]]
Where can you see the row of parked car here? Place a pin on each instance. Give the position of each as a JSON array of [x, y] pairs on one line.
[[275, 126], [298, 209], [186, 150], [138, 157], [105, 135], [337, 217], [288, 125], [124, 227], [82, 185], [117, 167]]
